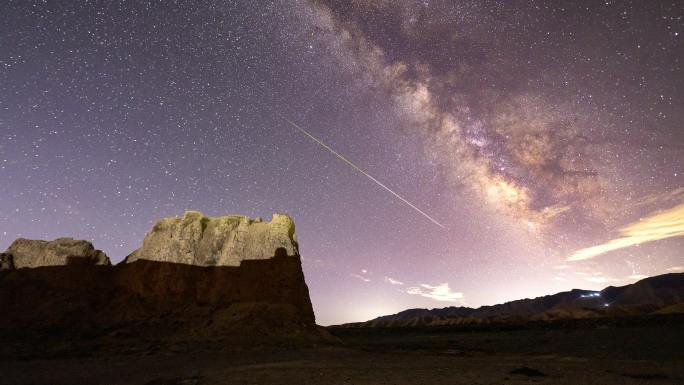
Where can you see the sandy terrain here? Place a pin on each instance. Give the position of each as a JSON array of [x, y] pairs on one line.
[[636, 351], [335, 365]]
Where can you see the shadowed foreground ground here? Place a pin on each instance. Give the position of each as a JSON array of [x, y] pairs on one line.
[[643, 350]]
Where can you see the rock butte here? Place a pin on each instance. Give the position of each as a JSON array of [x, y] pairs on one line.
[[196, 281], [226, 241]]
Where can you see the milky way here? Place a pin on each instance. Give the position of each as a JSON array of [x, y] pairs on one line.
[[547, 138]]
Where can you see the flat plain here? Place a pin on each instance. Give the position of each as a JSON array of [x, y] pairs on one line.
[[625, 350]]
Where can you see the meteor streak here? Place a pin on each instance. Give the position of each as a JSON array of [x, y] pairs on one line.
[[362, 172]]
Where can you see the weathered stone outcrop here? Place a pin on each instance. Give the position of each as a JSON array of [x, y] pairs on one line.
[[61, 251], [197, 283], [7, 261], [226, 241]]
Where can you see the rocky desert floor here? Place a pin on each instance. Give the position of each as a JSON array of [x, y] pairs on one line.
[[635, 350]]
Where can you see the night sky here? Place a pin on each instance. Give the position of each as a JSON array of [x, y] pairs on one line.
[[546, 138]]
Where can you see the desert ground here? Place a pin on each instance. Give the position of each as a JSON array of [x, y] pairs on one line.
[[627, 350]]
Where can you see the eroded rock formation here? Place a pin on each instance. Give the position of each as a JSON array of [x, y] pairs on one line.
[[155, 305], [61, 251], [226, 241], [197, 283]]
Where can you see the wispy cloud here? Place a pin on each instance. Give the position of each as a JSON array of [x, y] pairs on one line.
[[676, 268], [438, 293], [315, 262], [561, 267], [669, 223], [599, 279], [677, 194], [392, 282], [360, 277], [560, 279], [637, 276]]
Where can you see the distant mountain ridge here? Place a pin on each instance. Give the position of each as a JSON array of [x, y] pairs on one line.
[[655, 295]]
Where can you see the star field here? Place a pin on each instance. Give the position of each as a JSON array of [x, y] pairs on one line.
[[534, 132]]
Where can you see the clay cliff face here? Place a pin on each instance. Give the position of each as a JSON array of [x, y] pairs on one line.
[[226, 241], [35, 253], [145, 305]]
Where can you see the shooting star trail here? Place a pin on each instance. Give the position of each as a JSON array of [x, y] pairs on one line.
[[361, 171]]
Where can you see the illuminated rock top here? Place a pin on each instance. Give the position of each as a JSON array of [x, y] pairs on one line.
[[225, 241], [61, 251]]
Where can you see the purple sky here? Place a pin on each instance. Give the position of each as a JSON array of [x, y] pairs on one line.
[[530, 130]]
